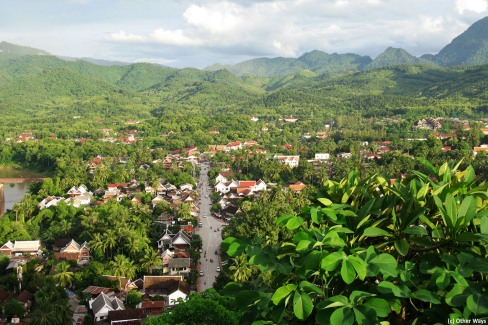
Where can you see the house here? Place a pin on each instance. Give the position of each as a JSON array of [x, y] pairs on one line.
[[234, 145], [346, 155], [95, 291], [483, 148], [126, 317], [165, 239], [291, 161], [171, 287], [166, 256], [50, 201], [152, 308], [260, 186], [178, 266], [322, 156], [289, 119], [26, 298], [297, 186], [221, 187], [157, 200], [80, 200], [224, 176], [186, 186], [250, 143], [77, 191], [181, 240], [73, 251], [102, 304], [21, 247]]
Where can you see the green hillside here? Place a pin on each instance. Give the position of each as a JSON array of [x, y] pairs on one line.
[[470, 48]]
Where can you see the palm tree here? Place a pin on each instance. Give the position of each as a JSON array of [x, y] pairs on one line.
[[240, 268], [150, 259], [65, 227], [122, 266], [64, 276], [110, 240], [98, 244]]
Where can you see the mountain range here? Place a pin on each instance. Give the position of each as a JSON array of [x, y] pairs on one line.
[[37, 85], [468, 49]]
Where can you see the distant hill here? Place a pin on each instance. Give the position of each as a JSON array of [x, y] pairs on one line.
[[394, 57], [315, 61], [468, 49], [10, 50]]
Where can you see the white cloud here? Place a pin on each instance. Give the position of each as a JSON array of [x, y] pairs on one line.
[[432, 24], [175, 37], [477, 6], [217, 18], [122, 36]]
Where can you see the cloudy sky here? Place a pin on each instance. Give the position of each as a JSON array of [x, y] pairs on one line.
[[191, 33]]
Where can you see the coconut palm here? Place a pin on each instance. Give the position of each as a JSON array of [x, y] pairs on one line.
[[97, 244], [150, 259], [240, 269], [63, 275], [122, 266]]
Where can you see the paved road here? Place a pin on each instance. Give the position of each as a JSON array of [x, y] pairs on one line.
[[211, 239]]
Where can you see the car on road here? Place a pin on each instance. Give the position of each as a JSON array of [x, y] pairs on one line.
[[218, 268], [201, 273], [204, 216], [216, 253]]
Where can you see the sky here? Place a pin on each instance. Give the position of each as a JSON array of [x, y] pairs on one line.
[[190, 33]]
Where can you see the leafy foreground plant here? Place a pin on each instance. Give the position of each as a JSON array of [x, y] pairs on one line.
[[368, 252]]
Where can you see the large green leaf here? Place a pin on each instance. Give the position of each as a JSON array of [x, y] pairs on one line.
[[427, 296], [380, 306], [359, 265], [342, 316], [484, 225], [294, 223], [282, 292], [330, 262], [310, 287], [388, 287], [348, 273], [302, 305], [416, 230], [467, 210], [315, 215], [303, 245], [324, 201], [376, 232], [478, 304], [386, 263], [235, 249], [402, 246], [332, 239]]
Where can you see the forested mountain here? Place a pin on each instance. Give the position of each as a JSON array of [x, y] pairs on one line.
[[316, 61], [42, 85], [394, 57], [9, 50], [468, 49]]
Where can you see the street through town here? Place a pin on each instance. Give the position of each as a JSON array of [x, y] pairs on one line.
[[210, 232]]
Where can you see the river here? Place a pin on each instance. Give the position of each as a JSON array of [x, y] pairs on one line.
[[13, 192]]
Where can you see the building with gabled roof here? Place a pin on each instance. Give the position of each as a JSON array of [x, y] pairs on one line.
[[291, 161], [102, 304], [171, 287], [21, 247], [74, 251], [178, 266]]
